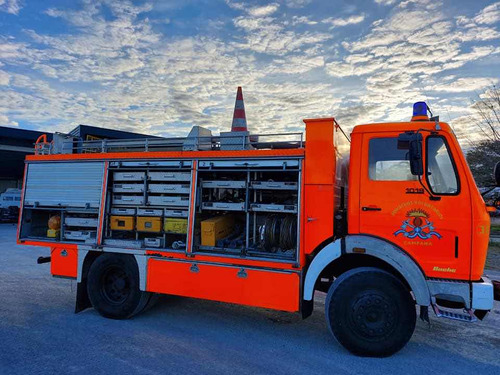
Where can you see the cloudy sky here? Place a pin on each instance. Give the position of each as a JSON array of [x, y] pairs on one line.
[[161, 66]]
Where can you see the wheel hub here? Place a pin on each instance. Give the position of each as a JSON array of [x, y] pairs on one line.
[[373, 316], [115, 286]]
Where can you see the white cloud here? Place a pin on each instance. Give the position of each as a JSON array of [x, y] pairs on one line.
[[11, 6], [468, 84], [263, 11], [385, 2], [489, 15], [338, 22], [297, 3]]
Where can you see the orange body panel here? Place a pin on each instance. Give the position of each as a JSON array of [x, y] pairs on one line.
[[318, 223], [64, 261], [170, 155], [252, 287], [319, 178]]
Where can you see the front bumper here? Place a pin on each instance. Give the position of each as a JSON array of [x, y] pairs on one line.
[[482, 294], [473, 295]]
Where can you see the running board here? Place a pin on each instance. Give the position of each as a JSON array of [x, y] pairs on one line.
[[467, 317]]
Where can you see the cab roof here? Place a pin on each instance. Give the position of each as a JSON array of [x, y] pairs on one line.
[[400, 126]]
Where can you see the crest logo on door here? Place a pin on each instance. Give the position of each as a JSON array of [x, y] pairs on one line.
[[417, 225]]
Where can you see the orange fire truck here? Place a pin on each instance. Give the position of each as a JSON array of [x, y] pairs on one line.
[[385, 221]]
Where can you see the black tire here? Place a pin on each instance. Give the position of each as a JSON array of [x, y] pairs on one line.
[[113, 286], [370, 312]]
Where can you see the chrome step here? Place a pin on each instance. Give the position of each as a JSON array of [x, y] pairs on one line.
[[467, 316]]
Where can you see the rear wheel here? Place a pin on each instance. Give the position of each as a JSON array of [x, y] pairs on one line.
[[370, 312], [113, 286]]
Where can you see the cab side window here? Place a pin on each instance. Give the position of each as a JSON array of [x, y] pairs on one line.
[[441, 173], [386, 162]]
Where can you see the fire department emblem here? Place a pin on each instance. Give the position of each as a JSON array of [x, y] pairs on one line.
[[417, 225]]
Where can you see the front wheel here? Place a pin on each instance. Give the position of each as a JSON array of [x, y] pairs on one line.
[[113, 286], [370, 312]]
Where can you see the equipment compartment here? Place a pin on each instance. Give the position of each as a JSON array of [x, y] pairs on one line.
[[142, 221], [248, 208]]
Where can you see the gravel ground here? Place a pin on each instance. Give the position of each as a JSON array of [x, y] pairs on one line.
[[39, 334]]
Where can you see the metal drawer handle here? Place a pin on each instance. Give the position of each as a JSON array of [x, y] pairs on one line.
[[194, 268], [242, 273]]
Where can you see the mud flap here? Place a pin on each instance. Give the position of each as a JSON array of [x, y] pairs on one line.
[[82, 298], [306, 308]]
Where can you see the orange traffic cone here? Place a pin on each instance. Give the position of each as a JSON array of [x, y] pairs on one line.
[[239, 116]]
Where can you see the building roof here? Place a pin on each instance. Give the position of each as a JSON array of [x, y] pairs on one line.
[[82, 131]]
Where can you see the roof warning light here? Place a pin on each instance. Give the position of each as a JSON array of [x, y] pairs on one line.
[[420, 110]]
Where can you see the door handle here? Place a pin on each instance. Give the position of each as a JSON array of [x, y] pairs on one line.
[[371, 209], [309, 219]]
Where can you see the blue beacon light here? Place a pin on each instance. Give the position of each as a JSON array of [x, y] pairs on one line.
[[420, 109]]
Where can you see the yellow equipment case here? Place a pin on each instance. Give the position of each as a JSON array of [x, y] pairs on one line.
[[215, 228], [175, 225], [149, 224], [121, 222]]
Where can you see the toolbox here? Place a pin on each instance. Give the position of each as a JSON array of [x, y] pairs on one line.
[[149, 224], [215, 228], [176, 225], [121, 222]]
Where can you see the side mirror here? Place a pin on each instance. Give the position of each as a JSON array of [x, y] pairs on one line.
[[413, 143], [496, 173]]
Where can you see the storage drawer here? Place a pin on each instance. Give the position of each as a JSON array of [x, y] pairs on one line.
[[79, 235], [122, 211], [260, 207], [169, 176], [128, 200], [129, 176], [121, 222], [171, 188], [174, 225], [149, 212], [225, 184], [249, 163], [176, 213], [223, 206], [271, 185], [149, 224], [81, 221], [153, 242], [128, 188], [168, 201]]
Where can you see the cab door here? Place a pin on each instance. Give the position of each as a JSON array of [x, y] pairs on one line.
[[394, 205]]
